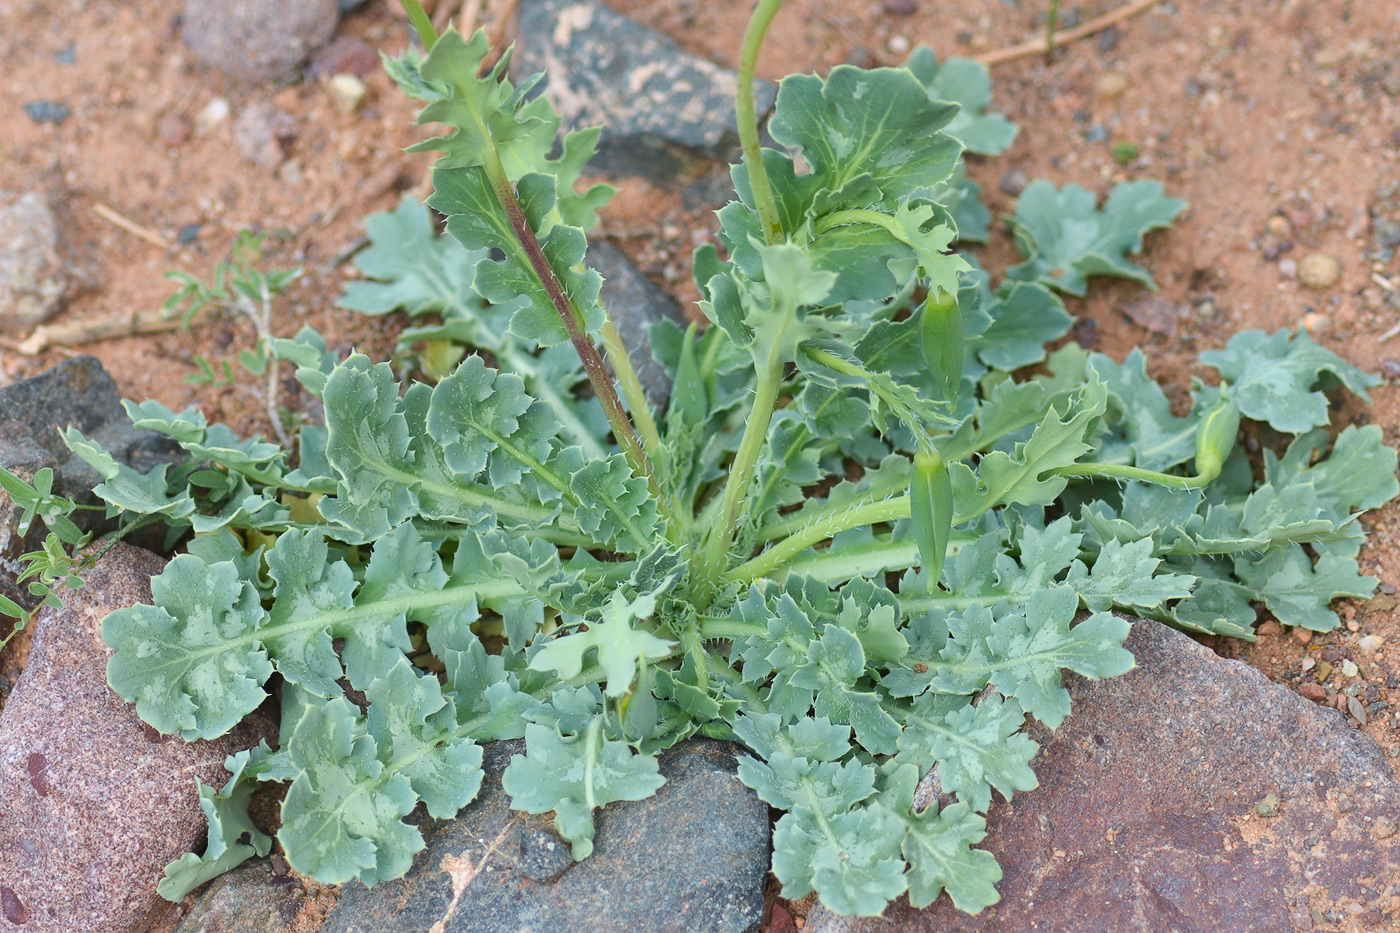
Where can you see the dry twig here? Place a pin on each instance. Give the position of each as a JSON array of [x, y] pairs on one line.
[[131, 226], [1041, 45], [76, 333]]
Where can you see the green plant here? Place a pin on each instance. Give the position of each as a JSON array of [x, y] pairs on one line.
[[241, 287], [853, 542]]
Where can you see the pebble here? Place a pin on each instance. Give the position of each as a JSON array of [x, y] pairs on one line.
[[348, 92], [1014, 182], [1288, 268], [1370, 644], [1268, 805], [1319, 271], [48, 111], [1110, 85], [1096, 133], [1279, 226], [173, 129], [1315, 692], [261, 132], [258, 40], [346, 55], [34, 275], [901, 7], [1384, 827], [210, 116], [1324, 671], [898, 44], [1386, 233], [1349, 668], [1302, 635], [1315, 323]]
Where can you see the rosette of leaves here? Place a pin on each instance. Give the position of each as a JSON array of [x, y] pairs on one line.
[[853, 542]]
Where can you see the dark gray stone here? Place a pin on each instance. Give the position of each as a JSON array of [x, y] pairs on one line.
[[1386, 233], [635, 303], [77, 393], [258, 40], [1191, 795], [253, 898], [660, 108], [693, 858]]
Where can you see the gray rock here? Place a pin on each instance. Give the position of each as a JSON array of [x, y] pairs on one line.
[[95, 802], [80, 393], [258, 40], [692, 858], [261, 131], [253, 898], [1386, 233], [34, 281], [660, 108], [635, 303], [1154, 812]]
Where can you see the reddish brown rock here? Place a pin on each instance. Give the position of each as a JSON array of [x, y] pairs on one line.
[[1152, 818], [93, 805]]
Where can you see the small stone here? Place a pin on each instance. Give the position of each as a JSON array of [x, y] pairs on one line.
[[1319, 271], [1357, 710], [1370, 644], [48, 111], [1270, 628], [290, 173], [1096, 133], [1315, 692], [1308, 664], [348, 92], [68, 55], [347, 54], [1384, 827], [34, 276], [1349, 668], [210, 116], [898, 45], [1268, 805], [1324, 671], [173, 129], [1278, 226], [261, 132], [1316, 323], [1014, 182], [1386, 233], [1302, 635], [1288, 268], [258, 40], [901, 7], [188, 234], [1111, 85]]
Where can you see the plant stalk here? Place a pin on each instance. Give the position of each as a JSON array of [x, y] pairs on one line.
[[421, 22], [747, 118], [632, 391], [593, 364], [721, 532], [889, 510]]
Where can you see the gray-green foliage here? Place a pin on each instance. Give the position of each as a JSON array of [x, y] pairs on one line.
[[475, 558]]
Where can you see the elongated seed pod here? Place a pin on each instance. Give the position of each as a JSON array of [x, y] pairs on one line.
[[931, 508], [941, 332], [1215, 438]]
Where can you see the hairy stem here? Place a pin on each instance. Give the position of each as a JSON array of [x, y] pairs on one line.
[[422, 23], [1117, 471], [721, 533], [593, 364], [747, 115], [780, 554], [632, 391]]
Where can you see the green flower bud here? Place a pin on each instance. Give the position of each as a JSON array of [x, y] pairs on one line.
[[931, 508], [941, 331], [1215, 438]]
